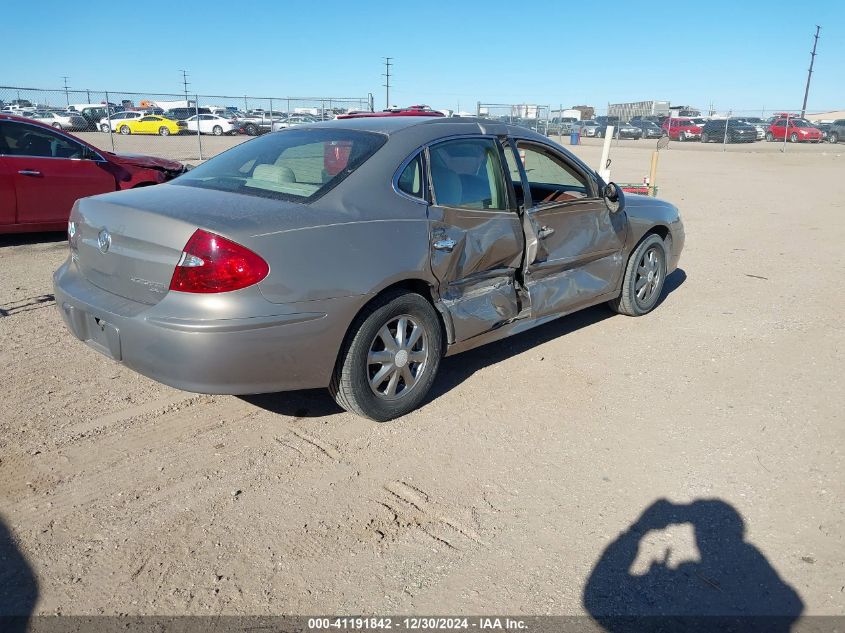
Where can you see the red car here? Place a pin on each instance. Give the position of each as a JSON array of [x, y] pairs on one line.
[[795, 130], [415, 110], [43, 171], [681, 129]]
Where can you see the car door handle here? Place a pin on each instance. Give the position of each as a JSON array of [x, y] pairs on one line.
[[544, 232], [444, 245], [29, 172]]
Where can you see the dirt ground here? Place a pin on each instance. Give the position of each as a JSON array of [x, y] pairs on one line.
[[501, 494]]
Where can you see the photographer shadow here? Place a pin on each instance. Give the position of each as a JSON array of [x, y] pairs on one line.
[[18, 585], [731, 587]]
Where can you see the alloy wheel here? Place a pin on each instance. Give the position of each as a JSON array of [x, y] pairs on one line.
[[649, 276], [397, 358]]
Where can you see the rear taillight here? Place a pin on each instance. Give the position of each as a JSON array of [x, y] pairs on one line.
[[211, 263]]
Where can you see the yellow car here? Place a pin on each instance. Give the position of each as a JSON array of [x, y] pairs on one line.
[[152, 124]]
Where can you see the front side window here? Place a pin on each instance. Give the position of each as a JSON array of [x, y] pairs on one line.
[[296, 164], [29, 140], [551, 179], [467, 173]]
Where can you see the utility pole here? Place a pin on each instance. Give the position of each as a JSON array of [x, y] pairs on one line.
[[386, 83], [185, 82], [810, 72], [67, 98]]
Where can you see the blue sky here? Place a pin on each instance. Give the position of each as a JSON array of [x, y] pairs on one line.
[[741, 55]]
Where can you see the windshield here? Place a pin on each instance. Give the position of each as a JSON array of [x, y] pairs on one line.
[[799, 123], [298, 165]]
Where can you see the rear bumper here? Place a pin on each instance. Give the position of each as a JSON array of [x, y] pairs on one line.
[[269, 348]]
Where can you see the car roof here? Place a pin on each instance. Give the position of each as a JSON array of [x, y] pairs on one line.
[[432, 127]]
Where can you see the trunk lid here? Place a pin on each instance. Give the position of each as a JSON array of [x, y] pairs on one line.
[[129, 242]]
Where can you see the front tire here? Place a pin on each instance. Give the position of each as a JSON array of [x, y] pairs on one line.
[[124, 129], [705, 138], [217, 130], [390, 357], [58, 126], [251, 130], [644, 277], [793, 138], [104, 127], [833, 138], [770, 137]]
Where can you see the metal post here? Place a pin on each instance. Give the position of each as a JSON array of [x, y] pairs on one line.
[[199, 137], [108, 117], [245, 108], [322, 109], [785, 133], [725, 140], [271, 114]]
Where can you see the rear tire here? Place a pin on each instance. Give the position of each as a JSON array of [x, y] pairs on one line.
[[705, 138], [644, 277], [163, 131], [770, 137], [58, 126], [217, 130], [104, 127], [793, 138], [354, 383], [124, 129], [251, 129], [833, 138]]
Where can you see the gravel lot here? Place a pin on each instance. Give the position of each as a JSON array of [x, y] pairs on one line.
[[501, 494]]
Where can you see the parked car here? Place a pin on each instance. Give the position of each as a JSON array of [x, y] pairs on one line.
[[730, 130], [603, 122], [292, 121], [415, 110], [837, 131], [151, 124], [112, 123], [824, 128], [60, 120], [681, 129], [43, 171], [182, 114], [210, 284], [91, 112], [627, 130], [585, 128], [758, 124], [255, 123], [796, 130], [649, 129], [211, 124]]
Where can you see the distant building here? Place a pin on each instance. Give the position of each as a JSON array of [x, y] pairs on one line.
[[821, 117], [587, 112], [627, 111]]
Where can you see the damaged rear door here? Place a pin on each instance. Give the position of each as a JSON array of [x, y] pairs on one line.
[[476, 234]]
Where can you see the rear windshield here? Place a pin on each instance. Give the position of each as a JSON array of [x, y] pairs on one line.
[[295, 164]]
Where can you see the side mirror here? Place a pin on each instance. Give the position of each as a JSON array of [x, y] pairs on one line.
[[614, 197]]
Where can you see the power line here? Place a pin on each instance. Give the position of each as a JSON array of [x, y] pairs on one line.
[[386, 84], [810, 72], [185, 82]]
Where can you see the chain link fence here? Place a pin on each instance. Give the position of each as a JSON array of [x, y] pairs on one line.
[[184, 127]]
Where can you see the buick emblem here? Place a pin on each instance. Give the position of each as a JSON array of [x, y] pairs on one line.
[[104, 241]]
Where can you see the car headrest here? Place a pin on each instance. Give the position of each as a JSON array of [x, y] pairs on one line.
[[273, 173]]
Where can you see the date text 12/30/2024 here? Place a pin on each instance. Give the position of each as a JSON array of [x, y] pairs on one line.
[[416, 623]]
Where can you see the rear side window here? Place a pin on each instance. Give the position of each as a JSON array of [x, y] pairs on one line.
[[410, 180], [297, 165], [18, 139]]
